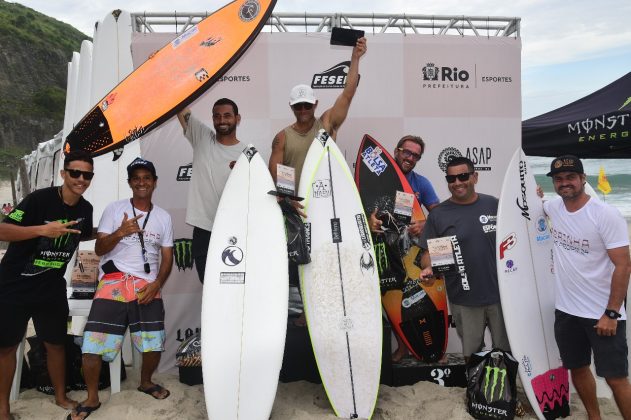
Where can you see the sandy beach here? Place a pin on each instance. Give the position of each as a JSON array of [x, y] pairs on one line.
[[296, 401]]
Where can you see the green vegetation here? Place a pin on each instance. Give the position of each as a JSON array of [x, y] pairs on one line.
[[40, 31], [8, 160], [35, 50]]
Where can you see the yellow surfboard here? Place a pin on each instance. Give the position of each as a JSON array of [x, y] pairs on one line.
[[171, 78]]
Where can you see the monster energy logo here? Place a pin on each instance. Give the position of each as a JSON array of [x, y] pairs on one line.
[[492, 375], [16, 215], [382, 258], [183, 253], [62, 241]]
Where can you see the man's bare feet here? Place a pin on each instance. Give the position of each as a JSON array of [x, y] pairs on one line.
[[399, 354], [67, 403]]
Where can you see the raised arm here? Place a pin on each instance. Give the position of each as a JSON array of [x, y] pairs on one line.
[[183, 117], [335, 116]]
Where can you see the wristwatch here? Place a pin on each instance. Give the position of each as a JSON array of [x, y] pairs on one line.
[[612, 314]]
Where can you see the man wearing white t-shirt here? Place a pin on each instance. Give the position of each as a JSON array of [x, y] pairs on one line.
[[135, 243], [591, 268], [214, 154]]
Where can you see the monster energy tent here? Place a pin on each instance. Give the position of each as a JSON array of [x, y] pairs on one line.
[[596, 126]]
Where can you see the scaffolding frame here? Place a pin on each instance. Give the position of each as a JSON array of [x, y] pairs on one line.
[[489, 26]]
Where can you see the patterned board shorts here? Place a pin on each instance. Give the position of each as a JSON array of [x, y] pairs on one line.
[[115, 306]]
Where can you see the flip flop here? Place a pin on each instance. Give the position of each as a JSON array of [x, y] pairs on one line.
[[153, 389], [83, 409]]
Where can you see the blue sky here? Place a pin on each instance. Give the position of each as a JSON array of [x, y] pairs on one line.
[[570, 49]]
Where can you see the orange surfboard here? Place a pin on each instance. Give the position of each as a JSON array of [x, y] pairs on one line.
[[171, 78], [418, 313]]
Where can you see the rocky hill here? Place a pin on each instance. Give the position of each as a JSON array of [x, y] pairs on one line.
[[34, 52]]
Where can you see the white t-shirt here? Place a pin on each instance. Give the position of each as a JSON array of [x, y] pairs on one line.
[[127, 254], [212, 163], [582, 267]]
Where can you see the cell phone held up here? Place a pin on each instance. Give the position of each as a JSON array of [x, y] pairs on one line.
[[345, 36]]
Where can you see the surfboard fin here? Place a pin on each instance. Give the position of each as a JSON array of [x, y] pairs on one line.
[[116, 154]]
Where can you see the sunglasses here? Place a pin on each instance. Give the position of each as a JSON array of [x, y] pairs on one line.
[[302, 105], [461, 177], [76, 173], [408, 154]]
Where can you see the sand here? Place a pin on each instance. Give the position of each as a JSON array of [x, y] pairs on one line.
[[296, 400]]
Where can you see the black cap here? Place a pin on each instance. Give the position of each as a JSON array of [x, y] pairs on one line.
[[566, 163], [141, 163]]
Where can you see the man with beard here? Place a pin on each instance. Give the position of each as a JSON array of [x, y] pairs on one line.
[[407, 153], [214, 154], [591, 270], [43, 232]]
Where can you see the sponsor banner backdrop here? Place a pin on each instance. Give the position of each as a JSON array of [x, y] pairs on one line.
[[461, 94]]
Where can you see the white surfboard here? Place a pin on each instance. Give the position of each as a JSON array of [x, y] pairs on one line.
[[526, 281], [340, 287], [244, 302]]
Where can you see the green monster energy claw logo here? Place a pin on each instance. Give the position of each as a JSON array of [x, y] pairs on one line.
[[382, 257], [492, 375], [183, 253], [61, 241]]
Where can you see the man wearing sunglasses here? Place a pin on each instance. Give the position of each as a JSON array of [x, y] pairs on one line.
[[291, 144], [214, 154], [407, 153], [43, 232], [468, 219], [591, 270]]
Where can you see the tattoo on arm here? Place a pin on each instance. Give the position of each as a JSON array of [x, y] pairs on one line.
[[187, 117], [275, 142]]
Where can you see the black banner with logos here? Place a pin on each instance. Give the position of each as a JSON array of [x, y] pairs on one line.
[[596, 126]]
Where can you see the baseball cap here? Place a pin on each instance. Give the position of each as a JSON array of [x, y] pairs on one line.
[[141, 163], [301, 93], [566, 163]]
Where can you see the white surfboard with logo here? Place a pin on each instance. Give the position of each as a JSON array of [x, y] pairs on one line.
[[526, 281], [340, 287], [244, 305]]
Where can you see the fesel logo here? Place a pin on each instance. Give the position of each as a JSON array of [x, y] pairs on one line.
[[184, 172], [249, 10], [332, 78], [480, 156], [435, 77]]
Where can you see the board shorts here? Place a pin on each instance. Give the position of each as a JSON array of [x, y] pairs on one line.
[[471, 321], [50, 319], [114, 308], [576, 338]]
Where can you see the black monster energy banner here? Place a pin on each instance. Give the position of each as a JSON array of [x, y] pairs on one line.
[[182, 253]]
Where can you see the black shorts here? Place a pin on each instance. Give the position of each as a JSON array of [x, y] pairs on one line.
[[199, 249], [50, 319], [576, 338]]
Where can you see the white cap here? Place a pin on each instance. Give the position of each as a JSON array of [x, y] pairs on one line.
[[301, 93]]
